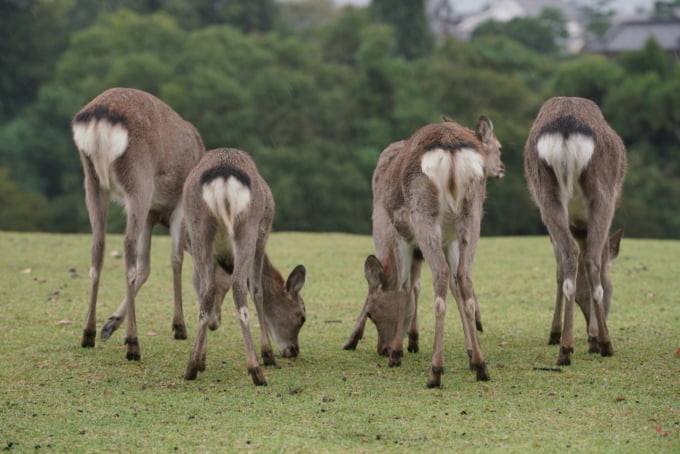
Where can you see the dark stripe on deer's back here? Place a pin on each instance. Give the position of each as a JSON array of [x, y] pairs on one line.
[[566, 125], [100, 112], [225, 171], [451, 147]]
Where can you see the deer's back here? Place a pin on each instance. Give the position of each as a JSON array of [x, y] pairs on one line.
[[224, 164], [439, 162], [572, 144]]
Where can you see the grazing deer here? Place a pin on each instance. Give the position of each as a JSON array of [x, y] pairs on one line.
[[229, 210], [385, 301], [432, 191], [384, 305], [135, 149], [574, 164]]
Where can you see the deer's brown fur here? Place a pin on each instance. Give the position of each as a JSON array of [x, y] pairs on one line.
[[135, 149], [428, 197], [575, 163], [229, 210]]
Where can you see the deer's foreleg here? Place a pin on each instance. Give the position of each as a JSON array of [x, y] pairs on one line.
[[177, 235], [358, 329], [137, 245], [556, 326], [600, 217]]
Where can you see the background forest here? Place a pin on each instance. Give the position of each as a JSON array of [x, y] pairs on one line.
[[314, 94]]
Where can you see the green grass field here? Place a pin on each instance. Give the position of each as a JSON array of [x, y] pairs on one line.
[[58, 397]]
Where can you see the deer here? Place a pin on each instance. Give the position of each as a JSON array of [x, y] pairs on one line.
[[429, 194], [384, 294], [229, 209], [575, 164], [385, 304], [135, 150]]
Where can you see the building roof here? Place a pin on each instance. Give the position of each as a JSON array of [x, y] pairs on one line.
[[534, 8], [505, 10], [633, 35]]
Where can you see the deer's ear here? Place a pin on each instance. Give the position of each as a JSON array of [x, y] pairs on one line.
[[615, 243], [446, 118], [296, 279], [373, 272], [484, 129]]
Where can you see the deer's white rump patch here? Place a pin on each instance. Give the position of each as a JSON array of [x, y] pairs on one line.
[[103, 142], [227, 199], [567, 157], [463, 166]]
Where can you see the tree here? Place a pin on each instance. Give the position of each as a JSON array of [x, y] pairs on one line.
[[302, 15], [250, 15], [315, 107], [341, 38], [651, 58], [32, 36], [589, 76], [20, 210], [666, 9], [647, 110], [598, 16], [544, 34], [413, 36]]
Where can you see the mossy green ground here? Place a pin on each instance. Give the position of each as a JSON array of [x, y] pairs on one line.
[[58, 397]]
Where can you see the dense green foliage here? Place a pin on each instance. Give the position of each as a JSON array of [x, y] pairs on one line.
[[314, 95]]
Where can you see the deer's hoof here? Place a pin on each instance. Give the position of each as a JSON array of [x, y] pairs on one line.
[[88, 338], [132, 344], [110, 326], [482, 372], [180, 332], [268, 358], [257, 376], [191, 373], [413, 343], [435, 378], [554, 338], [352, 342], [606, 349], [593, 346], [564, 358], [395, 358]]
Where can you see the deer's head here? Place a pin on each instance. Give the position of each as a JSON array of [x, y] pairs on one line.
[[492, 148], [383, 304], [285, 310]]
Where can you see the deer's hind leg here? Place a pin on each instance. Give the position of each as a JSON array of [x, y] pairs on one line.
[[97, 200], [137, 267], [566, 255], [599, 220], [242, 268], [202, 239], [556, 326]]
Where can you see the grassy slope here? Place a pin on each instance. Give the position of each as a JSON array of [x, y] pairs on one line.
[[56, 396]]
